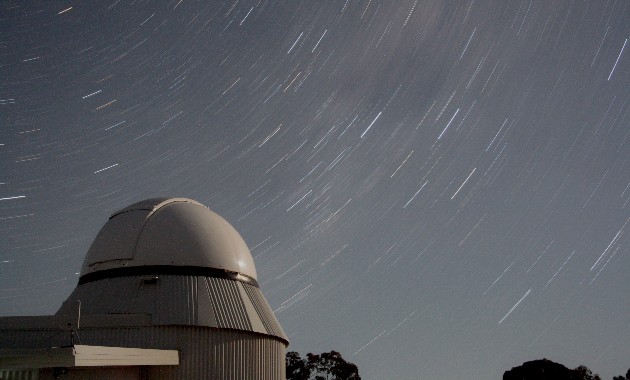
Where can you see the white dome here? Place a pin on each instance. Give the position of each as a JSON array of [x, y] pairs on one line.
[[175, 232]]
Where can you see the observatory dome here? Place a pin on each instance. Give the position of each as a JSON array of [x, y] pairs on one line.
[[170, 234], [168, 290]]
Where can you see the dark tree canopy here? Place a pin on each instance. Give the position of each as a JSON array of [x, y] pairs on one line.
[[545, 369], [620, 377], [296, 367], [583, 373], [325, 366]]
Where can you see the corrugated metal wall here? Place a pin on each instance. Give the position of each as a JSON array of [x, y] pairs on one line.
[[27, 374], [178, 300], [223, 329], [98, 373], [227, 303], [205, 353], [264, 310]]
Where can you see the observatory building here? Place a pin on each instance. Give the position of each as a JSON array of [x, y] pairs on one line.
[[168, 290]]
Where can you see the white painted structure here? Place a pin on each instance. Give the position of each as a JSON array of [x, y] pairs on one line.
[[84, 356], [163, 276]]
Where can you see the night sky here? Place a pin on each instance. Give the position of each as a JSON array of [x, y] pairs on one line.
[[436, 189]]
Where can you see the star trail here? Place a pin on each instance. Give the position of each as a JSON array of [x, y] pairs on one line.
[[435, 189]]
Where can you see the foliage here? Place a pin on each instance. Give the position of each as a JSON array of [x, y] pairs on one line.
[[583, 373], [545, 369], [296, 367], [326, 366], [620, 377]]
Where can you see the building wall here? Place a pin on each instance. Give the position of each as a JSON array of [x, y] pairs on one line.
[[99, 373], [27, 374], [204, 352], [177, 300]]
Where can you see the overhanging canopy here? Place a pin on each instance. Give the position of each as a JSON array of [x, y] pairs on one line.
[[85, 356]]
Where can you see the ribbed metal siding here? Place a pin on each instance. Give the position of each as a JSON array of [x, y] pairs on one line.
[[205, 353], [264, 310], [34, 338], [28, 374], [178, 300], [229, 309], [122, 295]]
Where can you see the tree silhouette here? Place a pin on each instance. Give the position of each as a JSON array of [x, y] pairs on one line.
[[542, 369], [545, 369], [325, 366], [296, 367], [583, 373], [623, 378]]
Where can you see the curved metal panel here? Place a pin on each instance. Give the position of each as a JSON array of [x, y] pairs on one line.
[[176, 300], [264, 311]]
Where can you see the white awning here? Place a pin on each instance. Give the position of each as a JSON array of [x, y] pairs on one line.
[[85, 356]]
